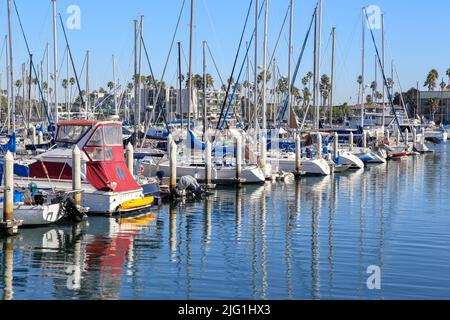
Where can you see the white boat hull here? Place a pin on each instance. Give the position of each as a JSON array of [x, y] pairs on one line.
[[309, 166], [36, 215], [249, 174], [99, 202]]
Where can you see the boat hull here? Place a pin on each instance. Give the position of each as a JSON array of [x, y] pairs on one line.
[[37, 215]]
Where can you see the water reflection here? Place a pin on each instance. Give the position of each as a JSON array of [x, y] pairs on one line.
[[310, 239]]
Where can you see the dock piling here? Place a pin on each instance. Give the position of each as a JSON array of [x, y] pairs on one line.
[[238, 159], [130, 158], [208, 163], [406, 137], [298, 154], [40, 138], [351, 142], [336, 146], [9, 225], [173, 165], [319, 146], [33, 135], [76, 173]]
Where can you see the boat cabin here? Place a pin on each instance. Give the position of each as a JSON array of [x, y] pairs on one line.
[[101, 146]]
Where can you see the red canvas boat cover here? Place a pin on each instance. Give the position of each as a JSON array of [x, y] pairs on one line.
[[111, 176]]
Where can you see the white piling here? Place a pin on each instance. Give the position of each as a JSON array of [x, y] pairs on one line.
[[263, 152], [336, 146], [76, 173], [238, 159], [8, 202], [40, 138], [414, 134], [33, 134], [388, 136], [406, 137], [173, 165], [169, 143], [319, 146], [422, 138], [398, 137], [364, 140], [350, 143], [298, 154], [208, 163], [130, 158]]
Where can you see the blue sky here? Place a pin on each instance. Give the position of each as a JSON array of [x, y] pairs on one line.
[[417, 36]]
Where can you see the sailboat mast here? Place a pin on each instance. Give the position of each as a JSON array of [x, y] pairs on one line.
[[11, 72], [55, 62], [264, 80], [180, 80], [289, 80], [139, 100], [333, 33], [319, 42], [205, 114], [191, 43], [8, 86], [255, 97], [87, 86], [362, 66], [116, 111], [136, 80], [315, 97], [382, 50]]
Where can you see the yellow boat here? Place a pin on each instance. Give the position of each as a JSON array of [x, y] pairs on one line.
[[136, 204]]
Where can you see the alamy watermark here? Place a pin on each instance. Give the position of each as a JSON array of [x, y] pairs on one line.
[[73, 22], [373, 17], [374, 280]]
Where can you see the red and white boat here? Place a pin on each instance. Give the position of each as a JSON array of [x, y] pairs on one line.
[[106, 181]]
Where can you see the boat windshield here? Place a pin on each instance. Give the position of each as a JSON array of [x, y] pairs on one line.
[[71, 134]]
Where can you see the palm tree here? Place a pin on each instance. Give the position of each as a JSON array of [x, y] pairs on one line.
[[432, 77], [434, 105], [110, 86], [374, 86], [324, 88], [65, 85], [448, 75]]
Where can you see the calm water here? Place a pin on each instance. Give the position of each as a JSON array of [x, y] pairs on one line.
[[313, 239]]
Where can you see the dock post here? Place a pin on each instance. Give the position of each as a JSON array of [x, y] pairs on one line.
[[40, 138], [351, 142], [169, 143], [336, 146], [263, 153], [406, 137], [238, 159], [208, 163], [9, 225], [398, 137], [319, 146], [414, 134], [130, 158], [298, 154], [33, 135], [76, 173], [422, 138], [364, 141], [173, 165]]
